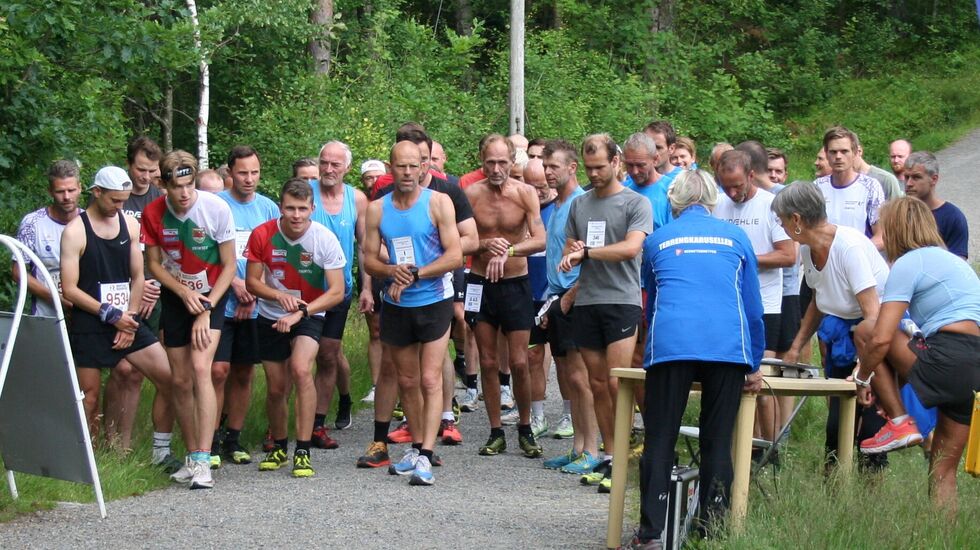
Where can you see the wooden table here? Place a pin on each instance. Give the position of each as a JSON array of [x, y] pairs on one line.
[[741, 441]]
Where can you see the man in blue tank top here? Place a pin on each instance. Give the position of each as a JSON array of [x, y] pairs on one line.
[[340, 208], [418, 228]]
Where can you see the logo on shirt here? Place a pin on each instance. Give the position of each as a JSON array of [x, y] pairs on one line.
[[175, 254], [198, 235], [305, 259], [278, 273], [170, 236], [278, 253]]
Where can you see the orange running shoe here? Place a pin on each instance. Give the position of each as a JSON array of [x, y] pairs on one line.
[[893, 436], [400, 435], [450, 433]]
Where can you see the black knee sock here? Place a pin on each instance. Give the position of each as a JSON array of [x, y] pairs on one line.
[[471, 381], [524, 429], [496, 432], [345, 400], [417, 446], [283, 444], [303, 446], [427, 453], [318, 420], [381, 430], [504, 379], [231, 436]]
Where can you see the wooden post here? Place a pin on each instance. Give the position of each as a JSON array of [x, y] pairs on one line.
[[517, 67]]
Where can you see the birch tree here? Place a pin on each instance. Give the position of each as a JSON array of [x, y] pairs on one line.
[[204, 108]]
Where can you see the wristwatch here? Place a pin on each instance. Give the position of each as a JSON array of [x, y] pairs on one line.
[[415, 273], [585, 253], [306, 313]]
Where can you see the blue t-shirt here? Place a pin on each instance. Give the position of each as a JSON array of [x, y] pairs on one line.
[[247, 216], [656, 193], [940, 288], [953, 229], [559, 282], [342, 224], [537, 264]]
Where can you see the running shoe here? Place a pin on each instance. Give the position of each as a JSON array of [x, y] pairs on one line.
[[506, 398], [406, 465], [510, 417], [893, 436], [321, 439], [422, 473], [456, 409], [202, 476], [376, 456], [636, 543], [235, 453], [539, 426], [469, 402], [301, 464], [529, 446], [602, 471], [401, 434], [582, 465], [449, 433], [605, 486], [494, 446], [274, 460], [398, 413], [185, 473], [369, 398], [268, 444], [561, 461], [344, 419], [564, 429], [169, 464], [215, 461]]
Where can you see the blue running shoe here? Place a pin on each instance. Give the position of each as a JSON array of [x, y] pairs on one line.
[[583, 465], [406, 465], [560, 461], [422, 475]]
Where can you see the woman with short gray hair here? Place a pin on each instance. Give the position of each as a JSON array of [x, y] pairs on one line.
[[692, 187]]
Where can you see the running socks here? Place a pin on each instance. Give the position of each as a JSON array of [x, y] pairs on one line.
[[537, 408], [320, 419], [283, 443], [161, 444], [566, 407], [524, 429], [471, 381], [302, 446], [504, 379], [381, 430]]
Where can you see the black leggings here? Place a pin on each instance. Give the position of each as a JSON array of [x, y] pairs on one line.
[[667, 388]]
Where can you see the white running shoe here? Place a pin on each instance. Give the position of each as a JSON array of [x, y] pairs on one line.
[[510, 417], [369, 398], [564, 429], [469, 402], [202, 476], [186, 472], [539, 426], [506, 398]]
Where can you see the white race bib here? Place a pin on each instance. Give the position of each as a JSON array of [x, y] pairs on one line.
[[474, 297], [56, 277], [197, 282], [596, 235], [115, 294], [404, 250], [241, 241]]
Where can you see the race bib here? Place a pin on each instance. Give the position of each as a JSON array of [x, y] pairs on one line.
[[474, 297], [56, 277], [115, 294], [596, 235], [197, 282], [241, 240], [404, 250]]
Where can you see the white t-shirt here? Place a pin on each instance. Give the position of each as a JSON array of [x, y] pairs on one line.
[[853, 206], [853, 265], [42, 234], [759, 222]]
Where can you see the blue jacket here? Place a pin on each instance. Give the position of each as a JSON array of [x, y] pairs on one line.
[[708, 306]]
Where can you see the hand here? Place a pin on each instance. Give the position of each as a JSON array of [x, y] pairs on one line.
[[791, 356], [286, 322], [243, 312], [402, 276], [365, 302], [576, 246], [288, 302], [151, 293], [241, 294], [201, 332], [753, 382], [395, 291], [496, 245], [544, 322], [571, 260], [123, 340], [565, 303], [495, 268], [193, 301], [865, 397], [127, 323]]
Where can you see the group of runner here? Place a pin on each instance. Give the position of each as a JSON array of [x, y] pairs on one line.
[[514, 262]]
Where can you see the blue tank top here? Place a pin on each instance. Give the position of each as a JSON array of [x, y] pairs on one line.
[[537, 265], [342, 224], [412, 238]]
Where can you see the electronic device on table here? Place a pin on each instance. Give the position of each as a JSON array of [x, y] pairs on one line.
[[778, 367]]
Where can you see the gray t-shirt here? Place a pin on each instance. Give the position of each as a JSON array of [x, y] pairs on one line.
[[602, 222], [888, 181]]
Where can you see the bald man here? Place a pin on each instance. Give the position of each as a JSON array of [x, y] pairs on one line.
[[898, 151]]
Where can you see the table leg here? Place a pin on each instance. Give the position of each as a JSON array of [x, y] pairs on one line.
[[620, 465], [845, 434], [742, 458]]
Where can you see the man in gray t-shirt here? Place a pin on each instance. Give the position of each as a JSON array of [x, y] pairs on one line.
[[605, 232]]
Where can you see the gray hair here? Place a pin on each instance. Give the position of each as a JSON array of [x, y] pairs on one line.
[[62, 169], [925, 159], [348, 156], [641, 142], [803, 198], [692, 187]]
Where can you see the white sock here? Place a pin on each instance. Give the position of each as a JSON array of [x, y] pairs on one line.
[[448, 415], [899, 419], [607, 457], [161, 445], [566, 407], [537, 409]]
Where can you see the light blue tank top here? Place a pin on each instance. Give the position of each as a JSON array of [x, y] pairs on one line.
[[342, 224], [411, 237]]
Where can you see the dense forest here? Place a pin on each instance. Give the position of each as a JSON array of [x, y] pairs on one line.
[[79, 77]]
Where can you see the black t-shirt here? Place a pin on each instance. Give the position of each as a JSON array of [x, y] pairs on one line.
[[460, 202]]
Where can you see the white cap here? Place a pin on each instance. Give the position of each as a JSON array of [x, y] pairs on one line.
[[373, 165], [112, 178]]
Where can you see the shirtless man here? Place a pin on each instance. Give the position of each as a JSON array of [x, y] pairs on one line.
[[498, 294]]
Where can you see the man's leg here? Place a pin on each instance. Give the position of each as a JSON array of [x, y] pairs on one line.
[[90, 382], [432, 357], [304, 350], [486, 340], [121, 402], [151, 362], [616, 355], [583, 406], [373, 321], [520, 377], [406, 361]]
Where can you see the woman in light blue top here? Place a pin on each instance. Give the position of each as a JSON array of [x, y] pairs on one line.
[[941, 362]]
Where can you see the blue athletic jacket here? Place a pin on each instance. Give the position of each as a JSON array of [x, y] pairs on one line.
[[708, 306]]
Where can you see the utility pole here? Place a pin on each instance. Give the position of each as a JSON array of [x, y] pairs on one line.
[[517, 67]]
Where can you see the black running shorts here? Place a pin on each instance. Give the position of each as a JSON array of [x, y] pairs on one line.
[[946, 373], [404, 326], [506, 304], [176, 322], [239, 343], [277, 346], [597, 326]]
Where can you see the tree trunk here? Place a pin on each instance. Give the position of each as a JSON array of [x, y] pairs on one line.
[[204, 111], [320, 47], [662, 16], [464, 17], [556, 15], [517, 67], [167, 122]]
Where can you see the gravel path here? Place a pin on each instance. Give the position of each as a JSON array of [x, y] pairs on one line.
[[958, 183], [477, 502]]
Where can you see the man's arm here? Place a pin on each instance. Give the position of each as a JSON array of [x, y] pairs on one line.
[[373, 263], [366, 299], [72, 247], [443, 214], [136, 277], [229, 265], [35, 286], [783, 255], [535, 242], [469, 239]]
